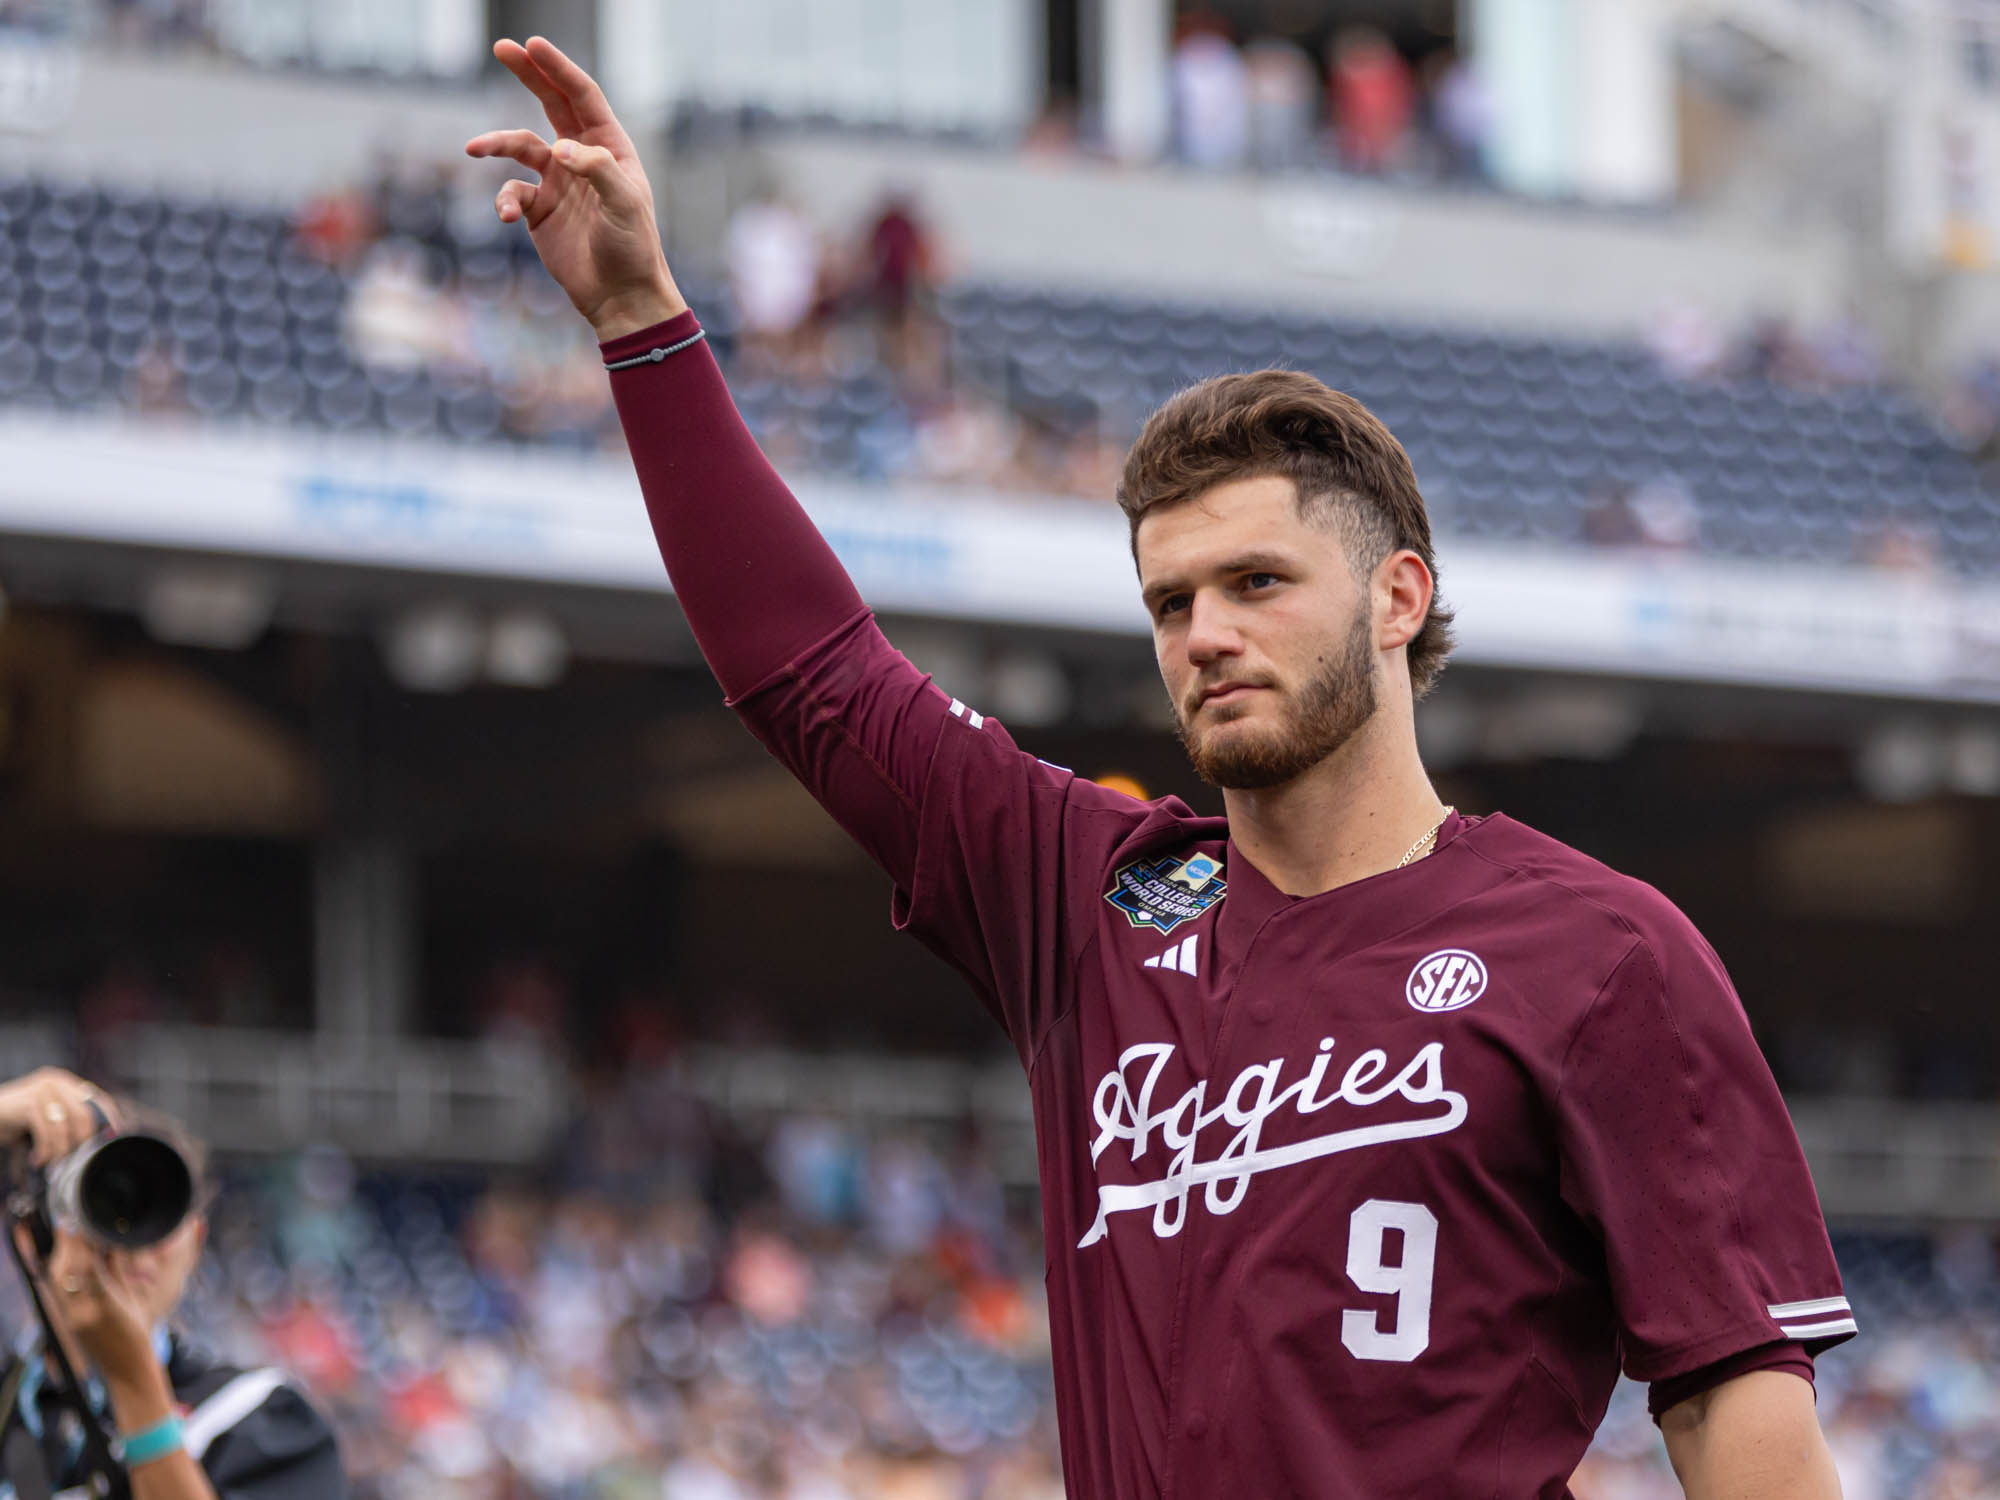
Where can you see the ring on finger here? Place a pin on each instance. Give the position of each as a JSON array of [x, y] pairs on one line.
[[54, 1112]]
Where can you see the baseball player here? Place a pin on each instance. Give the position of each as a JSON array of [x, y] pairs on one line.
[[1374, 1139]]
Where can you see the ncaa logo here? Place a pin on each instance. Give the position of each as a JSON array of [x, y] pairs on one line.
[[1449, 979]]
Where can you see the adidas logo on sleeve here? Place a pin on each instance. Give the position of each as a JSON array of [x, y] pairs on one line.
[[1180, 957]]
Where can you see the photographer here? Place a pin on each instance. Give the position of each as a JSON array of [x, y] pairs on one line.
[[183, 1426]]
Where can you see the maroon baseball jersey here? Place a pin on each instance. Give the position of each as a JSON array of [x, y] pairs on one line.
[[1364, 1194], [1367, 1194]]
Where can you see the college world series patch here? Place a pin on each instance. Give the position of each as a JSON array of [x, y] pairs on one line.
[[1163, 893]]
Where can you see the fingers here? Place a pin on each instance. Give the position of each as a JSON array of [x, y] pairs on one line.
[[514, 200], [75, 1276], [597, 166], [69, 1262], [578, 87], [555, 103], [112, 1274], [523, 146], [54, 1110]]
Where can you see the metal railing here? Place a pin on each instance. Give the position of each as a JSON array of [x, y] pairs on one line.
[[252, 1091], [1891, 1160]]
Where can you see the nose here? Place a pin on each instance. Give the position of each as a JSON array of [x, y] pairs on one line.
[[1211, 633]]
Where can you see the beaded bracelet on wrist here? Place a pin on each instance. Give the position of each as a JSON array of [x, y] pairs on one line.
[[654, 356]]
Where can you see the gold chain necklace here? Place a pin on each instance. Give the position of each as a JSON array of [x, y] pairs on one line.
[[1430, 836]]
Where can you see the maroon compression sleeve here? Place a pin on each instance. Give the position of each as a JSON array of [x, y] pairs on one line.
[[756, 580]]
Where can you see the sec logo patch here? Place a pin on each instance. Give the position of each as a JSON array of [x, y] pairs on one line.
[[1449, 979]]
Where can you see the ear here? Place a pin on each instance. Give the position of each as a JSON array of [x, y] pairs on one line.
[[1403, 588]]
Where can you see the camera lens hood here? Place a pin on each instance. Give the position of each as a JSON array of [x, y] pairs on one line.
[[125, 1191]]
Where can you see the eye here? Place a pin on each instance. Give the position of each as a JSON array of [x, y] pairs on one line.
[[1260, 580], [1172, 604]]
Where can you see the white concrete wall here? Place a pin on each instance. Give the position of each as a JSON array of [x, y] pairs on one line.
[[246, 134], [1468, 258]]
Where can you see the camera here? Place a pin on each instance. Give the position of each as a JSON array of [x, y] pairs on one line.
[[125, 1191]]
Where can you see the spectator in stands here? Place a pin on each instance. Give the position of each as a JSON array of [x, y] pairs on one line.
[[1687, 342], [155, 387], [1371, 100], [336, 227], [899, 279], [1902, 546], [1658, 513], [1846, 352], [1772, 350], [1211, 95], [153, 23], [1282, 87], [1969, 411], [394, 313], [773, 256], [1458, 115]]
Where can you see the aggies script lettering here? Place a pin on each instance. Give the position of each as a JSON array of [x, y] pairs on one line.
[[1125, 1115]]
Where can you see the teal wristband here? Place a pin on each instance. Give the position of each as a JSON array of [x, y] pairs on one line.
[[157, 1441]]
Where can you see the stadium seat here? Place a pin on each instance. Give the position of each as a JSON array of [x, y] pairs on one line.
[[1511, 430], [281, 396]]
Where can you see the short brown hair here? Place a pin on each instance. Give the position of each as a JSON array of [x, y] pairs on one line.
[[1347, 466]]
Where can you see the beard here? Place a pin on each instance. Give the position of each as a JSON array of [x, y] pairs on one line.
[[1335, 702]]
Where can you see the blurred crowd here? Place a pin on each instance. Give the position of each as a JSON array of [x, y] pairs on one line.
[[1362, 107], [672, 1309], [432, 288], [691, 1308], [805, 321], [1969, 410], [1693, 346], [399, 306], [1911, 1408], [683, 1303]]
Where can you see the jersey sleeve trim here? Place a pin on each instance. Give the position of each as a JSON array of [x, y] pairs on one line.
[[1683, 1359], [1805, 1320], [1786, 1356]]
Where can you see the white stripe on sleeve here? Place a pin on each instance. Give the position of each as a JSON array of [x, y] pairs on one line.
[[1819, 1330], [227, 1407], [1783, 1310]]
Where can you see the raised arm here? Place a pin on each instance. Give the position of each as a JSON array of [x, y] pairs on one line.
[[977, 834], [755, 579]]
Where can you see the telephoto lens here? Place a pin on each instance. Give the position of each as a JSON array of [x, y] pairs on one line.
[[124, 1191]]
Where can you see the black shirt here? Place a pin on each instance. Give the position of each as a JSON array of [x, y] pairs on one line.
[[252, 1431]]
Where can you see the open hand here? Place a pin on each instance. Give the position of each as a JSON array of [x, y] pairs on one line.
[[591, 215]]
